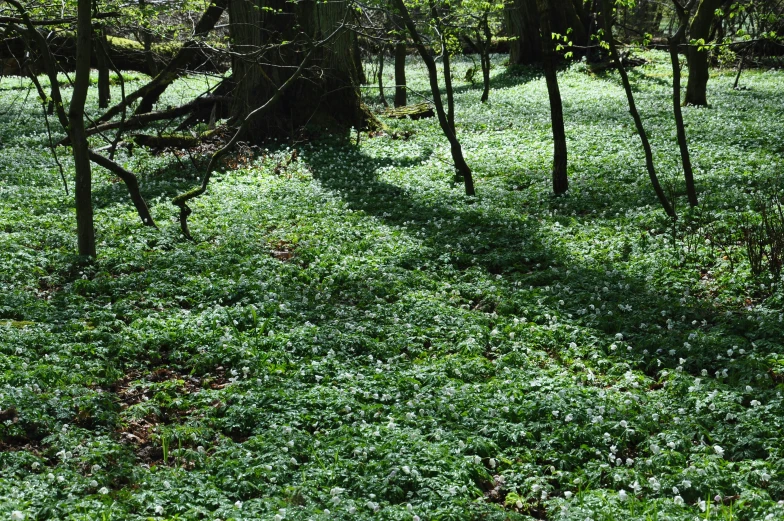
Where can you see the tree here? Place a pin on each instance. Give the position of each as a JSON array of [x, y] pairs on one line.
[[445, 117], [568, 19], [544, 10], [610, 42], [269, 39], [697, 55], [673, 44]]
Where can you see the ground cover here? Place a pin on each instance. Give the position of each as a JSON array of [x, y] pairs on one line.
[[350, 337]]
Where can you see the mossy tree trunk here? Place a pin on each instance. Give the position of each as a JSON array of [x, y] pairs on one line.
[[269, 39]]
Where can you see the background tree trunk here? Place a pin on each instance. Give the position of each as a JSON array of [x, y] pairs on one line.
[[85, 229], [522, 20], [697, 84], [560, 179], [400, 75], [325, 97], [104, 91]]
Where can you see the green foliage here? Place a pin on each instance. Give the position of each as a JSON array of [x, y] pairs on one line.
[[352, 338]]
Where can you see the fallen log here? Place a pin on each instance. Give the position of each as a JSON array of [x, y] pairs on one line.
[[422, 110]]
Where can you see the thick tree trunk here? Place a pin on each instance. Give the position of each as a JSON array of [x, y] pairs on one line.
[[699, 72], [560, 179], [85, 229], [607, 26], [269, 39], [523, 22], [400, 75]]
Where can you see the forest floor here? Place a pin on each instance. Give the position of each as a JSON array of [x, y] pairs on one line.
[[350, 337]]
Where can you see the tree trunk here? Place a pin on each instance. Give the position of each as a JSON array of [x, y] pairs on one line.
[[357, 55], [680, 128], [461, 167], [523, 22], [485, 56], [560, 179], [699, 72], [607, 19], [104, 91], [269, 39], [381, 76], [85, 229], [400, 75]]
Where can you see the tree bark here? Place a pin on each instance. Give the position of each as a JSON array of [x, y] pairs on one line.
[[270, 37], [560, 178], [400, 75], [85, 228], [607, 19], [699, 71]]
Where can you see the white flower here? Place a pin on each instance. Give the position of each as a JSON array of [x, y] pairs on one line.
[[702, 505], [336, 491], [17, 515], [622, 495], [103, 491], [755, 403], [96, 468], [568, 494], [159, 510], [718, 450], [238, 504], [624, 424], [678, 500], [93, 484]]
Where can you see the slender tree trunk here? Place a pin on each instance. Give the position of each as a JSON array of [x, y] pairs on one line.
[[560, 179], [485, 56], [607, 19], [461, 167], [83, 191], [699, 71], [381, 76], [688, 173], [400, 74]]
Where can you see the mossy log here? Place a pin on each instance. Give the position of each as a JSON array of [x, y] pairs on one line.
[[422, 110], [178, 141], [125, 54]]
